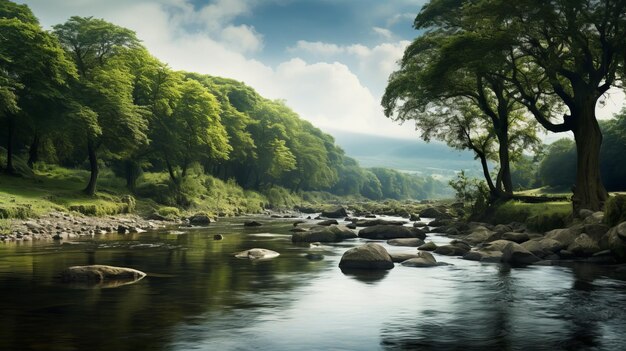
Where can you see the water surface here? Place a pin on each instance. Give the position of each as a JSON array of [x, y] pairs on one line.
[[197, 296]]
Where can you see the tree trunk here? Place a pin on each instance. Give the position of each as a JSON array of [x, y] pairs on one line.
[[132, 170], [589, 192], [10, 169], [170, 170], [505, 164], [493, 191], [93, 166], [33, 151]]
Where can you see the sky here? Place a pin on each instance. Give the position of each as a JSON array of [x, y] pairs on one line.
[[329, 60]]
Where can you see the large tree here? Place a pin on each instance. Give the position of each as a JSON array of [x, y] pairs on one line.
[[456, 94], [101, 52], [33, 71], [569, 49]]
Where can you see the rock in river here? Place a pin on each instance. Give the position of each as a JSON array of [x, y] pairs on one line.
[[328, 222], [333, 233], [257, 254], [412, 242], [100, 274], [368, 256], [252, 224], [199, 219], [384, 232], [424, 259], [336, 213]]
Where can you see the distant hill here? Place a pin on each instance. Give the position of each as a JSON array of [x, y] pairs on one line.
[[414, 156]]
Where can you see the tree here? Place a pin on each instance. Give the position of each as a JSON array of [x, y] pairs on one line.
[[564, 56], [196, 130], [101, 51], [455, 94], [33, 71]]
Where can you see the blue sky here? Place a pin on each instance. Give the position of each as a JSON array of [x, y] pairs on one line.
[[328, 59]]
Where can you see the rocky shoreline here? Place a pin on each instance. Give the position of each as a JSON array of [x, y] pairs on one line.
[[64, 226]]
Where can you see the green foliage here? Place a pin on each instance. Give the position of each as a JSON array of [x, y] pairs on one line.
[[472, 191], [169, 212], [615, 210], [99, 100], [558, 167], [541, 217]]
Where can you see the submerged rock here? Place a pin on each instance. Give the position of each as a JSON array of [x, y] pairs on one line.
[[252, 224], [257, 254], [368, 256], [95, 274]]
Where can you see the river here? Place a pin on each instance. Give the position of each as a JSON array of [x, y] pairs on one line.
[[198, 296]]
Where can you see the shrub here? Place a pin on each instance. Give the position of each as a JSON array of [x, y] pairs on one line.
[[615, 210]]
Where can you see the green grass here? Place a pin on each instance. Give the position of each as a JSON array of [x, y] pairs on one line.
[[537, 216], [57, 189]]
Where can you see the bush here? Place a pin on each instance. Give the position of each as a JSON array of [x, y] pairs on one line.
[[169, 212], [615, 210]]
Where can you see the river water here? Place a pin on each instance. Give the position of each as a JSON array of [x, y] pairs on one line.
[[197, 296]]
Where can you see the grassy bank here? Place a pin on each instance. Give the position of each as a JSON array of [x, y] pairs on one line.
[[52, 188]]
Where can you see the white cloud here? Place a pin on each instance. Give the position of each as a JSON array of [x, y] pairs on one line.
[[383, 32], [401, 17], [316, 48], [329, 94], [242, 38]]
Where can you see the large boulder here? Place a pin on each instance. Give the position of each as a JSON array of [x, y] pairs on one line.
[[616, 238], [402, 256], [384, 232], [565, 236], [333, 233], [429, 246], [368, 256], [455, 248], [596, 231], [257, 254], [412, 242], [478, 235], [424, 259], [200, 219], [483, 256], [516, 254], [339, 212], [100, 274], [595, 218], [328, 222], [515, 237], [434, 213], [583, 246], [542, 247], [252, 224], [497, 245], [378, 221]]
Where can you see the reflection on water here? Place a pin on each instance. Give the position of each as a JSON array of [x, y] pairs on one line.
[[197, 295]]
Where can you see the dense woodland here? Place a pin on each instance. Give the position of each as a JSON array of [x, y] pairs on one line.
[[485, 75], [88, 95]]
